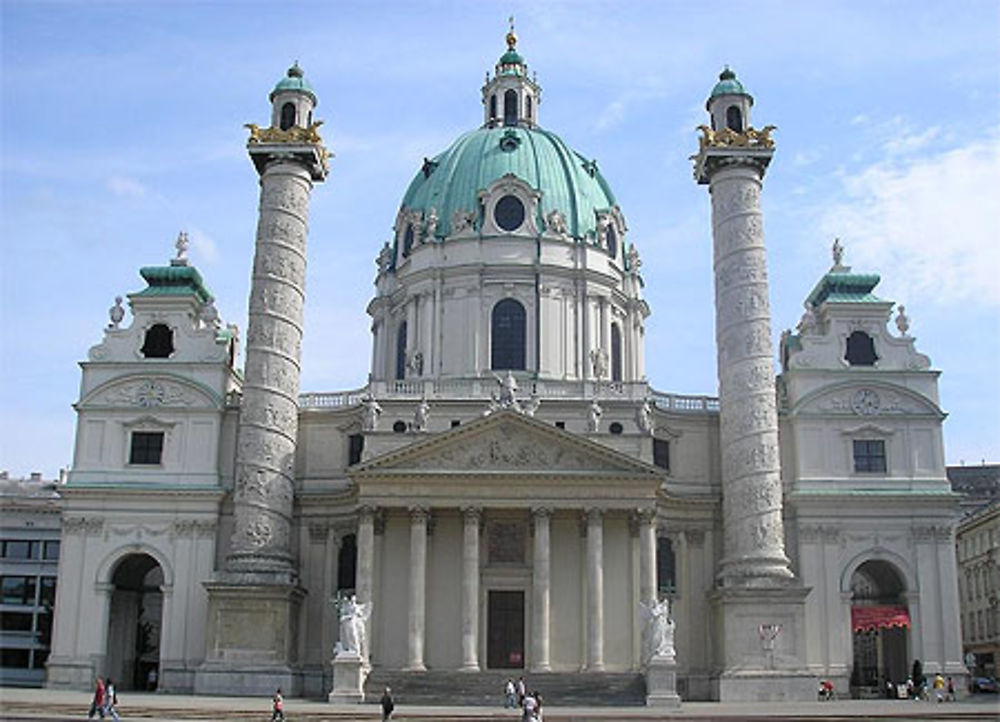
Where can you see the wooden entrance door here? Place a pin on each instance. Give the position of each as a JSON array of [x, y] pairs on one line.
[[505, 638]]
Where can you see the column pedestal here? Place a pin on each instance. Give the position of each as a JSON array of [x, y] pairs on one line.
[[661, 683], [348, 679], [763, 638], [252, 633]]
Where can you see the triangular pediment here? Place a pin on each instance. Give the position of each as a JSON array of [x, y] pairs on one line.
[[509, 443]]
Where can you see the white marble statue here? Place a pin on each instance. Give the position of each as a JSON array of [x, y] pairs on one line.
[[432, 223], [182, 245], [372, 410], [353, 625], [530, 406], [838, 253], [209, 313], [556, 222], [599, 362], [658, 630], [594, 416], [421, 416], [644, 417], [384, 258]]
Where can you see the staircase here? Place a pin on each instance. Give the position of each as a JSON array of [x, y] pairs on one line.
[[564, 689]]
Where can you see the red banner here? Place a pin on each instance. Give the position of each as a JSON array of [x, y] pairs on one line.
[[865, 619]]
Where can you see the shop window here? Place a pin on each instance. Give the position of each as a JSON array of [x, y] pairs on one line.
[[146, 448], [869, 455]]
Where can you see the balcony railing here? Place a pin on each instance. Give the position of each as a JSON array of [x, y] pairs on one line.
[[481, 388]]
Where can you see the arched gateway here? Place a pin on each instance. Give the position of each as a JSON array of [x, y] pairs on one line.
[[135, 620], [880, 624]]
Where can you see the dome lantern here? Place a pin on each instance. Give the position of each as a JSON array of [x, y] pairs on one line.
[[729, 103], [510, 97], [292, 100]]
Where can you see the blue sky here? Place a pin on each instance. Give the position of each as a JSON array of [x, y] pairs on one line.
[[122, 125]]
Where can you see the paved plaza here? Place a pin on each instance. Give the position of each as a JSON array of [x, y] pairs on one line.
[[42, 704]]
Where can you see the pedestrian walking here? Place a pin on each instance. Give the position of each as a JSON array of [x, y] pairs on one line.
[[387, 704], [951, 690], [278, 707], [521, 691], [97, 703], [110, 700], [509, 695]]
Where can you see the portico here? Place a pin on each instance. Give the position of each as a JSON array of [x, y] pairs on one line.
[[493, 525]]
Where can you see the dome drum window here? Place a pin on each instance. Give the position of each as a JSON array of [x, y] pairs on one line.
[[509, 206]]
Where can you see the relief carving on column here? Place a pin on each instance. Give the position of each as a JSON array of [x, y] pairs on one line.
[[318, 532]]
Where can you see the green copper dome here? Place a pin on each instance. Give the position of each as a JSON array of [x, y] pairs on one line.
[[728, 85], [293, 81], [567, 182]]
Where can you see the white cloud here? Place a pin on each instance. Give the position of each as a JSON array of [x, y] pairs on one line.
[[908, 142], [933, 219], [203, 245], [126, 187]]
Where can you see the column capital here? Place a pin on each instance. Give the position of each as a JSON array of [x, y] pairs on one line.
[[646, 515], [366, 512], [419, 514], [472, 513], [542, 512], [593, 514]]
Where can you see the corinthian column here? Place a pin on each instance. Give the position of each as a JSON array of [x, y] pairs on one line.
[[541, 585], [418, 569], [595, 590], [647, 556], [470, 589]]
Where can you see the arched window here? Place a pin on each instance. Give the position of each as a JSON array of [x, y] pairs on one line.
[[287, 116], [507, 336], [408, 241], [401, 352], [527, 108], [666, 566], [510, 108], [493, 107], [734, 118], [616, 352], [860, 349], [159, 342], [347, 562], [611, 236]]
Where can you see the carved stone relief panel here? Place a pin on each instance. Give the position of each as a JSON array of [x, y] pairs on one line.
[[506, 542]]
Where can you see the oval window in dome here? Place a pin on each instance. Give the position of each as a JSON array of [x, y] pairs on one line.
[[509, 213]]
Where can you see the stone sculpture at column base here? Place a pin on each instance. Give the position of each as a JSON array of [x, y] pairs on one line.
[[252, 633], [349, 674], [762, 634], [661, 682]]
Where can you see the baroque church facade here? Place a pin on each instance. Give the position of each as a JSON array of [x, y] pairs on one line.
[[508, 492]]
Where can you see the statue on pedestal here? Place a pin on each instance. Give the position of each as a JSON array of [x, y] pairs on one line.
[[658, 630], [353, 628]]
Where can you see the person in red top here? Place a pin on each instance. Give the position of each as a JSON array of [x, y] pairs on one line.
[[97, 705], [277, 706]]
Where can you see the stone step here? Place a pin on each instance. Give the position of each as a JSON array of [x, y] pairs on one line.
[[565, 689]]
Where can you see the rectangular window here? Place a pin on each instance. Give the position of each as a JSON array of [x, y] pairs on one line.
[[147, 447], [47, 597], [50, 551], [661, 453], [355, 446], [15, 621], [18, 549], [14, 658], [869, 455], [41, 656], [17, 590]]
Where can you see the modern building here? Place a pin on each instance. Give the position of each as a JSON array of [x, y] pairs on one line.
[[29, 557], [508, 491]]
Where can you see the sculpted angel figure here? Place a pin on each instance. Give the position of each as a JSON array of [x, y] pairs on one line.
[[432, 223], [594, 416], [372, 411], [507, 398], [421, 415], [556, 222], [644, 417], [658, 629], [353, 624]]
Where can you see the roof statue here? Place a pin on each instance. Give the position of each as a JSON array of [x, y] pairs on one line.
[[181, 245]]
